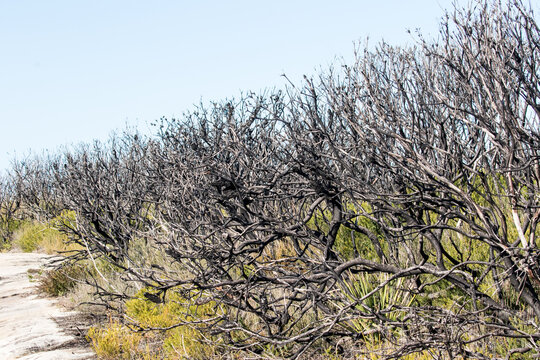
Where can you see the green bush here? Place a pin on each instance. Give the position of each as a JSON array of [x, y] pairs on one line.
[[58, 282], [117, 341], [181, 341], [7, 228], [29, 236]]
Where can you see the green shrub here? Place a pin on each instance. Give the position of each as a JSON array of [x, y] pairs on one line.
[[58, 282], [379, 294], [115, 342], [29, 236], [7, 228], [179, 342]]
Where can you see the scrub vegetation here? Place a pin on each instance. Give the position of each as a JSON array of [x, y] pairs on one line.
[[383, 209]]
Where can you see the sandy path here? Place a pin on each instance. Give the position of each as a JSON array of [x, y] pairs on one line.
[[28, 323]]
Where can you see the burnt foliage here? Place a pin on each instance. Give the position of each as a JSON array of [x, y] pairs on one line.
[[396, 197]]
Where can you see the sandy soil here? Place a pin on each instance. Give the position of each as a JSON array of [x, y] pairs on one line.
[[31, 326]]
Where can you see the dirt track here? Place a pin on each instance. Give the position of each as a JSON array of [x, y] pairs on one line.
[[29, 323]]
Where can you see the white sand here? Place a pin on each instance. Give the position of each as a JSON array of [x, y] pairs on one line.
[[28, 329]]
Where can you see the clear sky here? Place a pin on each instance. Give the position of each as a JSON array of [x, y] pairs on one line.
[[73, 71]]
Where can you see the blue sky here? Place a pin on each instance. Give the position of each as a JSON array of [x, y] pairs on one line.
[[73, 71]]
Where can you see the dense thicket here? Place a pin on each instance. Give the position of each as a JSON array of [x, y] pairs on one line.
[[396, 198]]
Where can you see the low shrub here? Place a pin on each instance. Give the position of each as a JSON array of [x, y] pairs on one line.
[[115, 342], [58, 282], [7, 228], [180, 341], [32, 236], [29, 235]]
